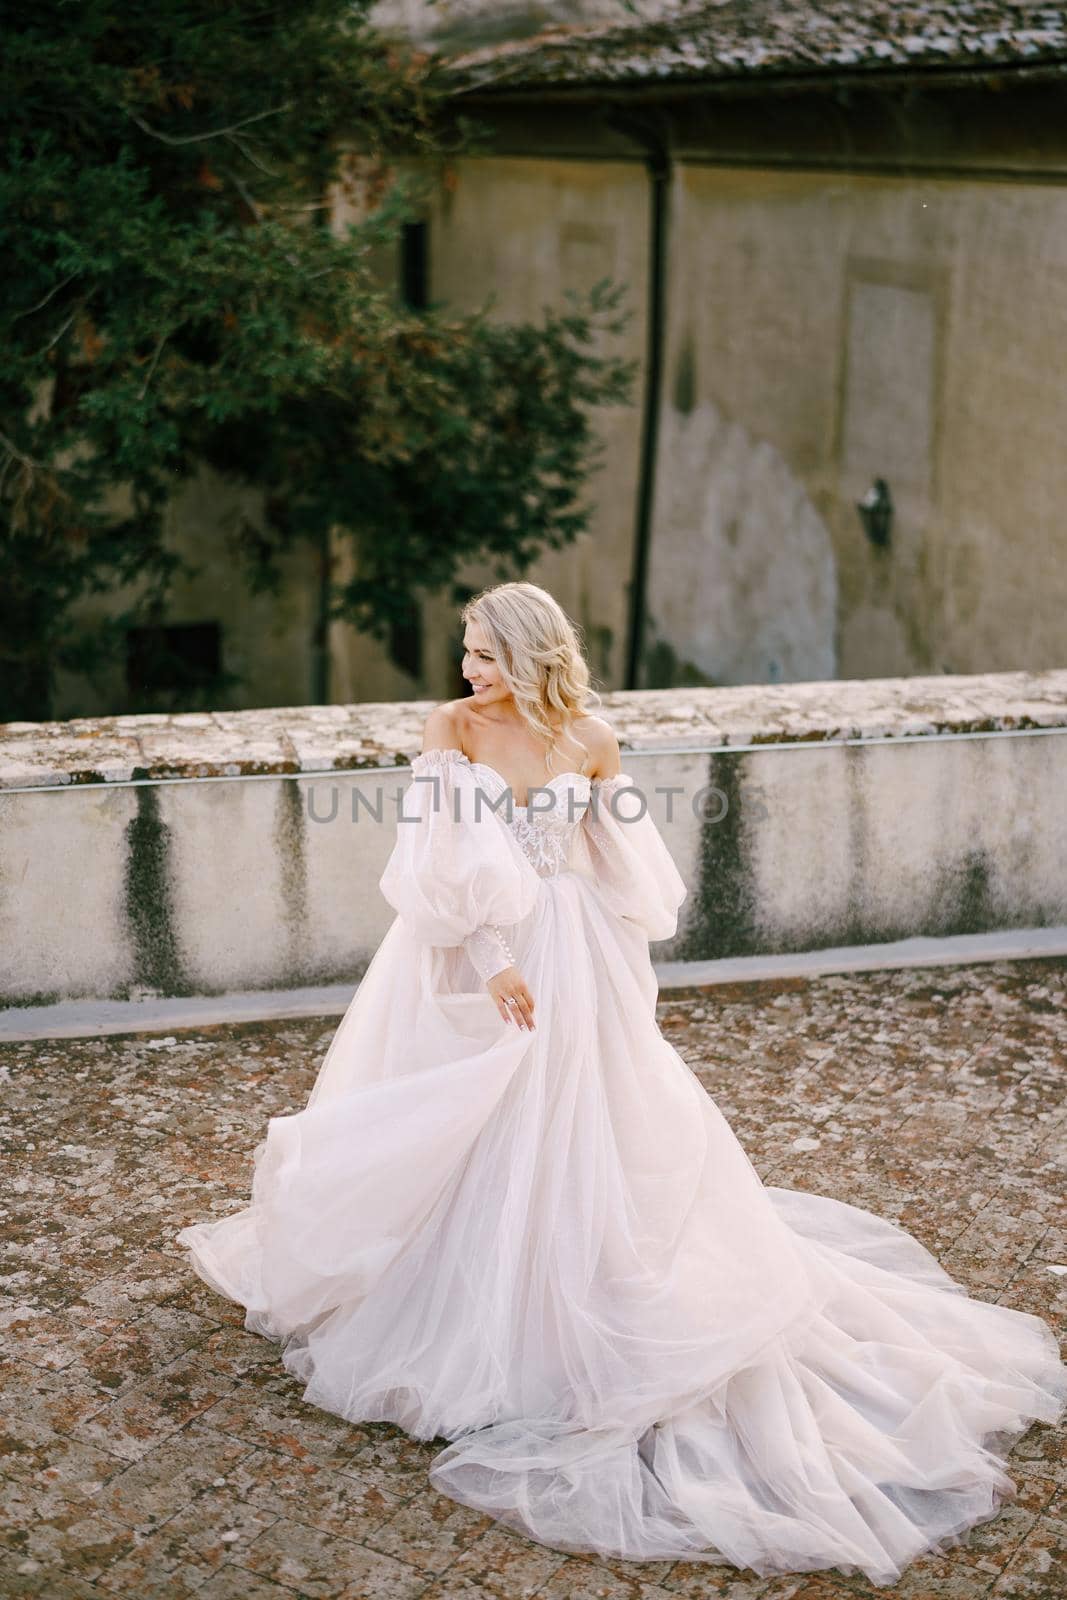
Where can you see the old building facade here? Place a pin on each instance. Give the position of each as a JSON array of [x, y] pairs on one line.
[[845, 233], [843, 237]]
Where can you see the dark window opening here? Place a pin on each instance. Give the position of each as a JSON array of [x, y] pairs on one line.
[[459, 685], [405, 643], [415, 265], [177, 660]]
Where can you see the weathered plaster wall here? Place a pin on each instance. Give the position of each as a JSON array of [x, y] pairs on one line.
[[828, 328], [745, 581], [214, 851]]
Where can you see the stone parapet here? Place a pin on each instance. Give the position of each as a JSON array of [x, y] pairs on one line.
[[205, 853], [365, 737]]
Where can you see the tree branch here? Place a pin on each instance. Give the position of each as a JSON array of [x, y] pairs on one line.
[[59, 331], [212, 133], [20, 455], [240, 145], [30, 463], [152, 367], [50, 295], [246, 194]]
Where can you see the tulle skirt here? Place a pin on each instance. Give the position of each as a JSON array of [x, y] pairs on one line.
[[549, 1249]]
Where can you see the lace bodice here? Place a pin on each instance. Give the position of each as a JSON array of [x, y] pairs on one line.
[[546, 829], [545, 838], [459, 883]]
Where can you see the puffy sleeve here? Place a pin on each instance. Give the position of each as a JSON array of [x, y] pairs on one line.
[[624, 853], [457, 875]]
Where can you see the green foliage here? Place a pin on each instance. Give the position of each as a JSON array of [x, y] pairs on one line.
[[176, 293]]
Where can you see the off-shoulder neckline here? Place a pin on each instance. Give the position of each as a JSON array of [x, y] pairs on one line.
[[465, 760]]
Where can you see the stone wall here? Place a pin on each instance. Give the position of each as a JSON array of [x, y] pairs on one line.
[[199, 853], [851, 326]]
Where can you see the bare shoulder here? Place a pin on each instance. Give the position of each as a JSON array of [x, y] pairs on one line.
[[443, 728], [599, 739]]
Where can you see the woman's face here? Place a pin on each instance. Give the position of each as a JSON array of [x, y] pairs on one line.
[[479, 668]]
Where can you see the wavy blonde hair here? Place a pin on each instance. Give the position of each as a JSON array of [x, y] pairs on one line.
[[538, 650]]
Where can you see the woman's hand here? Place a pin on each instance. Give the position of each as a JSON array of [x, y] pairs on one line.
[[513, 1000]]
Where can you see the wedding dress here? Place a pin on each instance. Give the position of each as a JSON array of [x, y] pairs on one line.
[[549, 1248]]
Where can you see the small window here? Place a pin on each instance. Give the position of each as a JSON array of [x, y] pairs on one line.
[[415, 265], [172, 659], [405, 643], [458, 685]]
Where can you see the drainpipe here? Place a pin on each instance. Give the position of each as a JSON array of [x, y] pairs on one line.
[[654, 142], [320, 628], [320, 633]]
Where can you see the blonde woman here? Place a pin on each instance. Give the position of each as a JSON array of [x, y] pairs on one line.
[[511, 1218]]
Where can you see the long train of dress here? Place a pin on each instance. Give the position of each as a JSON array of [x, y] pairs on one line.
[[550, 1249]]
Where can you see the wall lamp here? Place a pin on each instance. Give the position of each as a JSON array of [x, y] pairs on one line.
[[876, 512]]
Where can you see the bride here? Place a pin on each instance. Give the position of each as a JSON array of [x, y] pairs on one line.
[[511, 1217]]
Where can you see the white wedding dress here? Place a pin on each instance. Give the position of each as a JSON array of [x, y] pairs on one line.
[[549, 1248]]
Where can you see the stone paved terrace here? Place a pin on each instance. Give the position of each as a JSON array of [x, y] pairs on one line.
[[152, 1447]]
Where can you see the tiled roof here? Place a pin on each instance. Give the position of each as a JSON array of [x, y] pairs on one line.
[[744, 38]]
